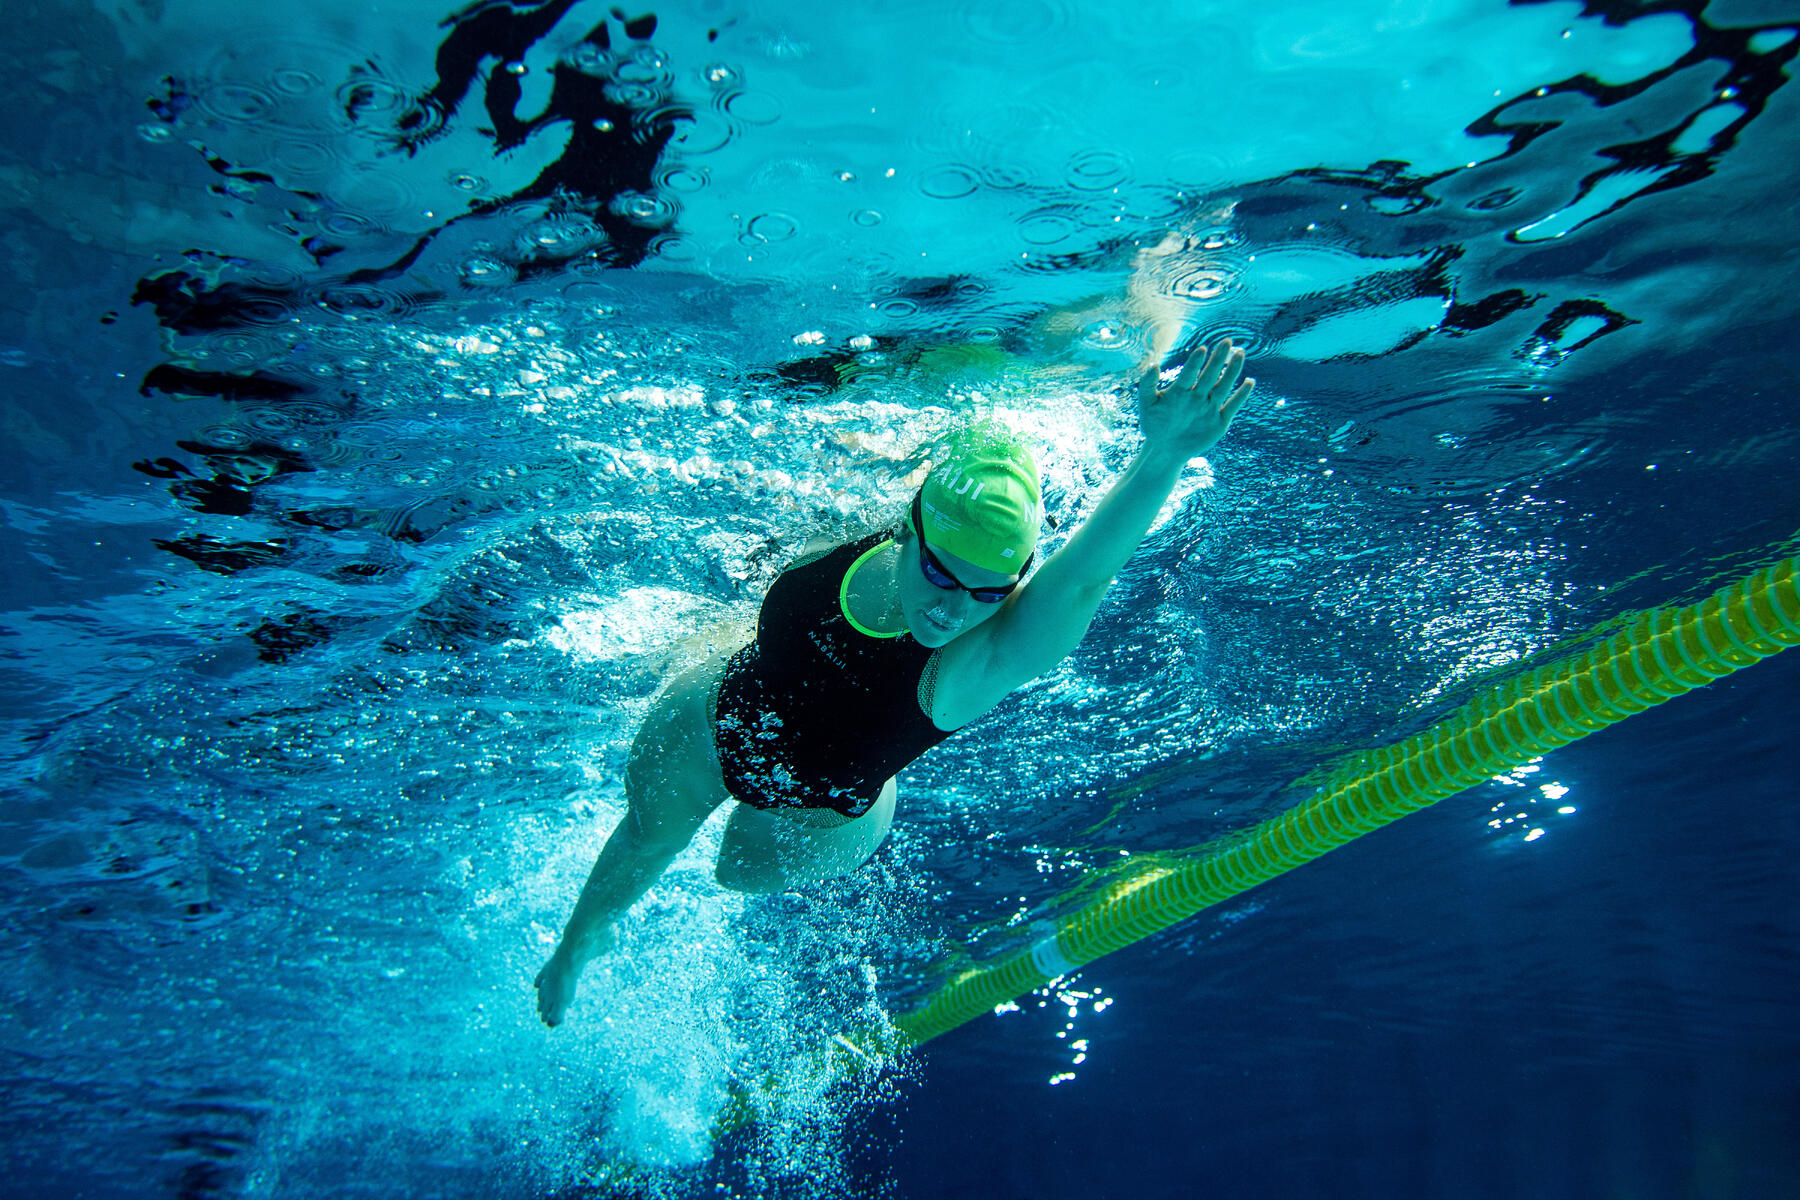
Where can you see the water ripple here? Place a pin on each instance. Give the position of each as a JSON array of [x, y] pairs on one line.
[[1097, 170], [950, 182]]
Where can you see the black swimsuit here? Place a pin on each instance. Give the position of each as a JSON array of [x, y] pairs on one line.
[[813, 714]]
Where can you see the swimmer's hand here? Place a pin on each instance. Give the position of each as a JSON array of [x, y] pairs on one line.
[[1191, 414], [556, 982]]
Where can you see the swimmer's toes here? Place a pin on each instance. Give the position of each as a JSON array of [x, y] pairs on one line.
[[549, 1010], [554, 991]]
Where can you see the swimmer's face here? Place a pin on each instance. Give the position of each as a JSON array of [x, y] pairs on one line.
[[937, 615]]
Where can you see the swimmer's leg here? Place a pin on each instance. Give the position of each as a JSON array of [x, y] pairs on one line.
[[671, 786], [770, 852]]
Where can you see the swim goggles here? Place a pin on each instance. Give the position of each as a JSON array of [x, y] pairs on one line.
[[935, 572]]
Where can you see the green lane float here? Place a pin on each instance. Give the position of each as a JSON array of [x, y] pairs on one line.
[[1662, 654]]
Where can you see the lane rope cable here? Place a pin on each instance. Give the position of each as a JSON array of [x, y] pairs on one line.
[[1663, 653]]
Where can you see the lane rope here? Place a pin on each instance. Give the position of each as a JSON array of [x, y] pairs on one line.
[[1661, 654]]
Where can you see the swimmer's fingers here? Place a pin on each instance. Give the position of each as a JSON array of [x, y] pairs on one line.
[[1229, 411], [1192, 371], [1147, 382], [1203, 366], [1214, 377], [1213, 374], [1225, 386]]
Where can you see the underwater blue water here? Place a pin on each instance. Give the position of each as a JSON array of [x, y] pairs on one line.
[[390, 389]]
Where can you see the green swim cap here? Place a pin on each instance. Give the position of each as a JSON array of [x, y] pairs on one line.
[[983, 502]]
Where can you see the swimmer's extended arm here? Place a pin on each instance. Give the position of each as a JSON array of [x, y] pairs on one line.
[[1046, 619]]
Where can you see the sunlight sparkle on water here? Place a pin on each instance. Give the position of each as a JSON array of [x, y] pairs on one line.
[[1548, 791]]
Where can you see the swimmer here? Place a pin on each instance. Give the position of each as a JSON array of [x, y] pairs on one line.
[[867, 654]]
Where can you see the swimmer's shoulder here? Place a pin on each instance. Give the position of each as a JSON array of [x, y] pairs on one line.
[[817, 546], [820, 544]]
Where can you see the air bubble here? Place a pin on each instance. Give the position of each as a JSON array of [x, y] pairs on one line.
[[632, 95], [773, 227], [588, 58], [720, 74], [483, 270], [560, 235], [1207, 283], [643, 208], [1106, 335], [467, 183], [866, 217]]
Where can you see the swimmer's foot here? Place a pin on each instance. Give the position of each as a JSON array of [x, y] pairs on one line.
[[556, 982], [555, 988]]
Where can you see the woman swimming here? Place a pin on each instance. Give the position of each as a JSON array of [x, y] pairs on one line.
[[868, 654]]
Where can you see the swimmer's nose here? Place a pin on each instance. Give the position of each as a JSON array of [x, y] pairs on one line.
[[958, 606]]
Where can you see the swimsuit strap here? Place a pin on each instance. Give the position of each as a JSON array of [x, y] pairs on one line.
[[844, 592]]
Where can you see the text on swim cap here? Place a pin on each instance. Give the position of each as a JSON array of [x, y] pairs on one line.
[[950, 476]]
